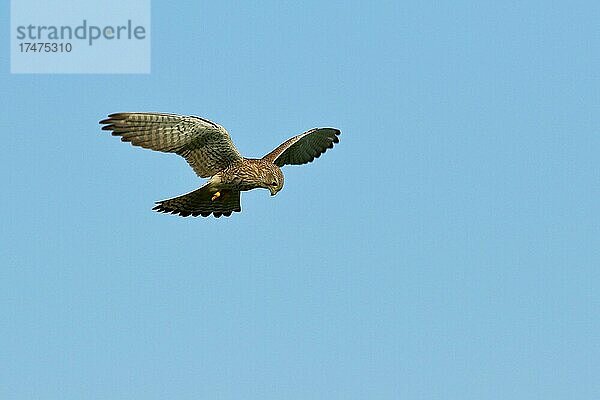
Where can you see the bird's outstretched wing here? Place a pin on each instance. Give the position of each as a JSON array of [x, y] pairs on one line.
[[205, 145], [202, 202], [304, 148]]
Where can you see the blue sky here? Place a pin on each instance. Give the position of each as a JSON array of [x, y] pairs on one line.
[[448, 248]]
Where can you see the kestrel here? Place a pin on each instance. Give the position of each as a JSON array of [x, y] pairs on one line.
[[208, 149]]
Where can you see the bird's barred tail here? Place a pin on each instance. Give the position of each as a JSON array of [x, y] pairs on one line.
[[203, 201]]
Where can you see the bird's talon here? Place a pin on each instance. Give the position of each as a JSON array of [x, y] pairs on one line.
[[216, 196]]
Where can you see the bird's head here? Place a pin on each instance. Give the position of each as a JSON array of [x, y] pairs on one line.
[[273, 179]]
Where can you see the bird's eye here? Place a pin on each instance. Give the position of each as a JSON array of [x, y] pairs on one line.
[[274, 184]]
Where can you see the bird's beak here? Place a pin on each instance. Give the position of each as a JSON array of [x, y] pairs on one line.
[[273, 191]]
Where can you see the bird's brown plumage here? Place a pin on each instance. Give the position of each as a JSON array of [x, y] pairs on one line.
[[208, 149]]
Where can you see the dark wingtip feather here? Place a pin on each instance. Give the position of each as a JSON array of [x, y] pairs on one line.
[[114, 117], [120, 115]]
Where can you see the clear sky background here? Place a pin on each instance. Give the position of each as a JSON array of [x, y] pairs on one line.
[[448, 248]]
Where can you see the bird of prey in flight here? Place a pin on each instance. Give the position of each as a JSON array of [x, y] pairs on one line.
[[208, 149]]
